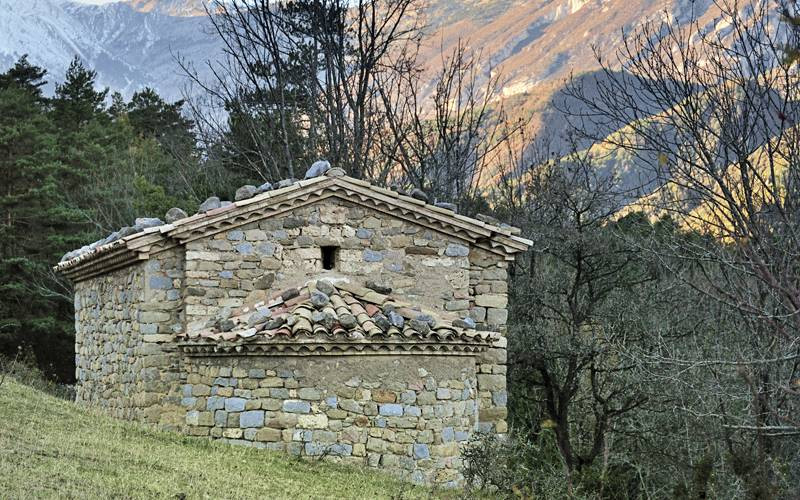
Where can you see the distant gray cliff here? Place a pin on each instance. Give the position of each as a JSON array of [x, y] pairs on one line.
[[131, 45]]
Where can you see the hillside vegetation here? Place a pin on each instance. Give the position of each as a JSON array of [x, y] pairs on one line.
[[50, 447]]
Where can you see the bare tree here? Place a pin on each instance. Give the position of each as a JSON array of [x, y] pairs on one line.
[[448, 140], [569, 317], [300, 80], [712, 115]]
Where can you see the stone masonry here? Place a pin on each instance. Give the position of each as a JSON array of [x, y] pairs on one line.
[[403, 400], [402, 413]]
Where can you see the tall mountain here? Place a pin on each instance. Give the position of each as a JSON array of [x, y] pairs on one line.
[[183, 8], [534, 44], [131, 44]]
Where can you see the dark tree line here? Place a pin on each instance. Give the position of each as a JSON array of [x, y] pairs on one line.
[[74, 169]]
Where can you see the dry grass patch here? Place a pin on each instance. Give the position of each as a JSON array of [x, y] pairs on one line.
[[50, 447]]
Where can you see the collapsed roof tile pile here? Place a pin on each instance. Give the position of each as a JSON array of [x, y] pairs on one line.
[[335, 311]]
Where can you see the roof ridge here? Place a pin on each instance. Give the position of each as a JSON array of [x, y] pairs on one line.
[[218, 212]]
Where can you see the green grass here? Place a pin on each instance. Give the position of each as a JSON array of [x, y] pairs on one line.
[[50, 447]]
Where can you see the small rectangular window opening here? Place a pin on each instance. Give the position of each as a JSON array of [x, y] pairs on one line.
[[329, 257]]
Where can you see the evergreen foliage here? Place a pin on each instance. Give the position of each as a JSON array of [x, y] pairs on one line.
[[74, 170]]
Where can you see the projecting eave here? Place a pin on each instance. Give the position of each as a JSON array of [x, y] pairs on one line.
[[498, 239]]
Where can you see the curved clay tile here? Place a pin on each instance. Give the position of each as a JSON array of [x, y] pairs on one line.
[[297, 319]]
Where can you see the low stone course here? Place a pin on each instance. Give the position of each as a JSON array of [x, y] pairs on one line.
[[332, 406]]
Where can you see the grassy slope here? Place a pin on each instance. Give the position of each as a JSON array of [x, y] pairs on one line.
[[52, 448]]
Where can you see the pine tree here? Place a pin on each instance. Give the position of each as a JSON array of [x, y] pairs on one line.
[[25, 76], [34, 310], [152, 116], [76, 101]]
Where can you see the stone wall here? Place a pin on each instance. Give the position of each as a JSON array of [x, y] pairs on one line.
[[405, 413], [488, 281], [426, 267], [125, 357], [408, 414], [108, 338]]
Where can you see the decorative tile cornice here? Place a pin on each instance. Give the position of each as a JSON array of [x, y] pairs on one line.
[[323, 348], [332, 319]]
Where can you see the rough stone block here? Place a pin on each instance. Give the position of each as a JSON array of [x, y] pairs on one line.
[[445, 450], [448, 435], [497, 316], [220, 418], [499, 301], [233, 433], [443, 393], [493, 356], [154, 317], [350, 405], [295, 406], [309, 393], [391, 410], [412, 411], [192, 417], [454, 250], [201, 390], [282, 421], [492, 414], [235, 404], [500, 398], [315, 421], [252, 418], [160, 283], [491, 382], [383, 396], [421, 451], [372, 256], [408, 397], [478, 314], [215, 403], [268, 434], [162, 337]]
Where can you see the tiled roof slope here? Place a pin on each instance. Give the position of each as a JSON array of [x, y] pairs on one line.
[[333, 316], [102, 257]]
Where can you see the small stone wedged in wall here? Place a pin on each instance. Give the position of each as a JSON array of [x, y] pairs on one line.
[[419, 195], [211, 203], [245, 192], [175, 214], [317, 168]]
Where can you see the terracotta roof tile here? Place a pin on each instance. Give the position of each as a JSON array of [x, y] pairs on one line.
[[298, 319]]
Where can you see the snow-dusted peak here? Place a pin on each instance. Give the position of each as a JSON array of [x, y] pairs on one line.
[[129, 49], [178, 8]]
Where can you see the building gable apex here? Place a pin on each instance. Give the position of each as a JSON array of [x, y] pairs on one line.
[[501, 240]]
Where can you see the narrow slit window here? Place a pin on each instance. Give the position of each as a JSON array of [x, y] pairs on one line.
[[329, 258]]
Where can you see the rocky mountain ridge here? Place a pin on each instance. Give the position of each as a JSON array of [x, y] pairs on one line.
[[131, 44], [533, 44]]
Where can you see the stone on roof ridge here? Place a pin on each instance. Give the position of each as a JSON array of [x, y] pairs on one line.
[[265, 191]]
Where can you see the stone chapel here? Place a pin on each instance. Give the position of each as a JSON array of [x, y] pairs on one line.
[[325, 316]]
